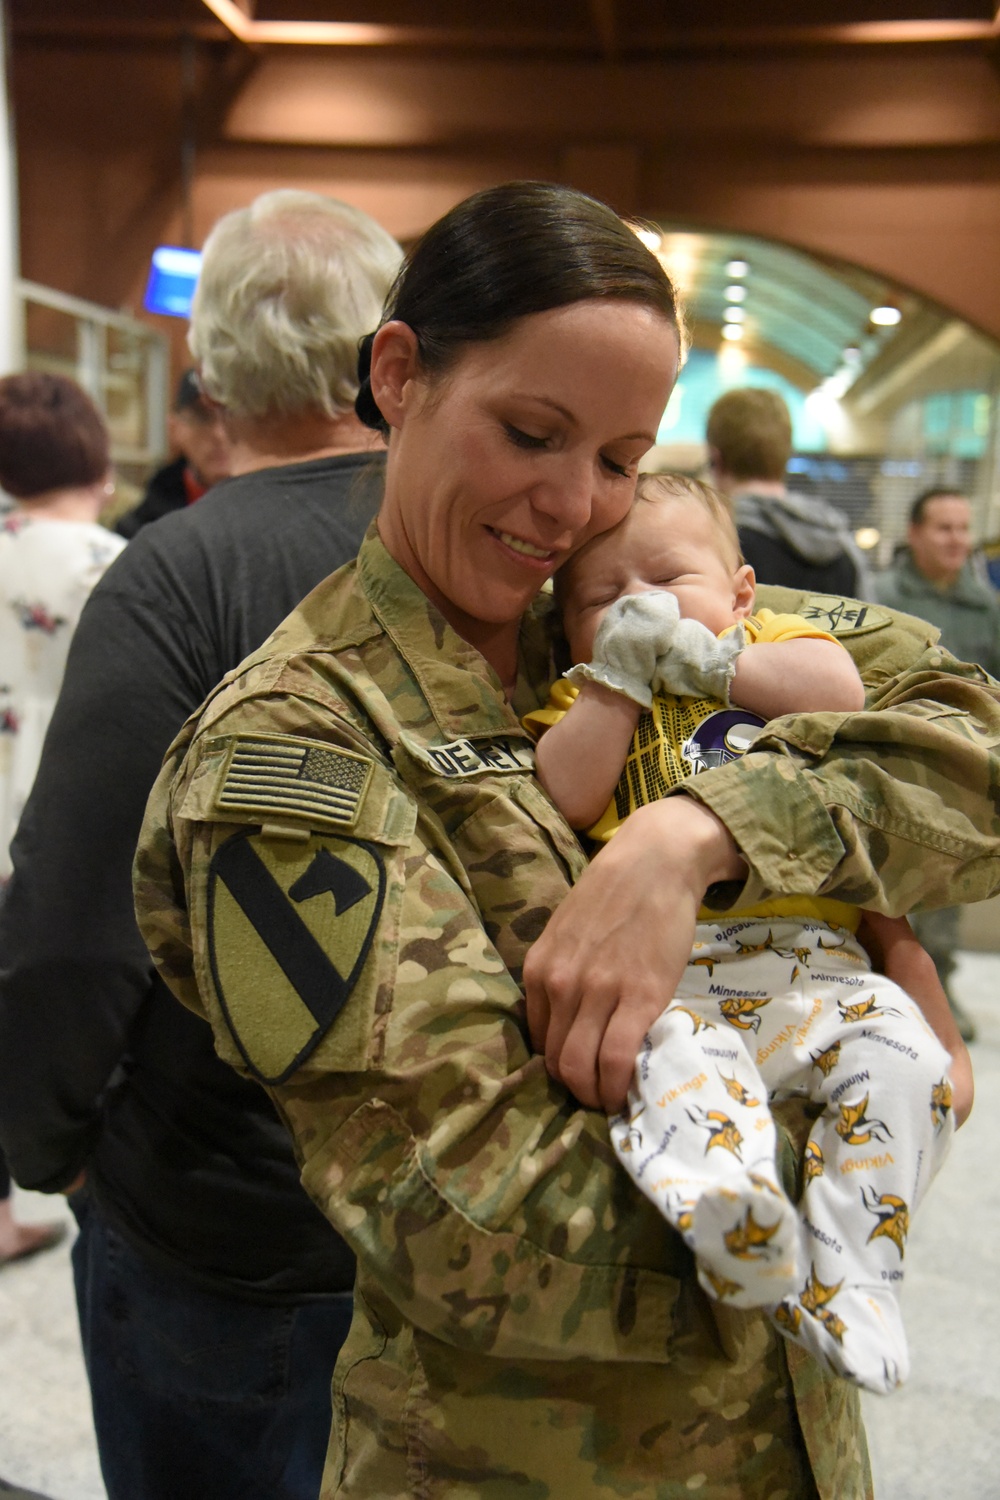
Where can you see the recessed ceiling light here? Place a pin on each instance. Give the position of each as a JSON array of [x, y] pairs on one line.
[[736, 314], [885, 316], [736, 294], [732, 331], [737, 268]]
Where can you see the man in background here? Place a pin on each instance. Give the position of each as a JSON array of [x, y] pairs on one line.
[[933, 576], [787, 538], [213, 1295], [197, 432]]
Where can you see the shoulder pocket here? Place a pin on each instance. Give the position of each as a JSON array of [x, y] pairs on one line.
[[291, 786], [288, 929], [844, 617], [296, 865]]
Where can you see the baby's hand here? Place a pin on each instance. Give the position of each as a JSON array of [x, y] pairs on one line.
[[696, 663], [633, 634]]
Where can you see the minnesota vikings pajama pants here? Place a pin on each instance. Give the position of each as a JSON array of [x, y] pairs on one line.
[[791, 1006]]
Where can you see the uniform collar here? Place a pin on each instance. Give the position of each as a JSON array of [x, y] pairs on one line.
[[461, 689]]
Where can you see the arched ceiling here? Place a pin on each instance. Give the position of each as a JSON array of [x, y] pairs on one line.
[[804, 311], [810, 320]]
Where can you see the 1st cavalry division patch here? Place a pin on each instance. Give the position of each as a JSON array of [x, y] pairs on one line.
[[289, 928]]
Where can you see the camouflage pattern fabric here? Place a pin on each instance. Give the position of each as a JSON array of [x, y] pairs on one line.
[[526, 1322]]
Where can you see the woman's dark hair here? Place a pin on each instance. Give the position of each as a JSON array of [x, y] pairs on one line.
[[507, 252], [52, 436]]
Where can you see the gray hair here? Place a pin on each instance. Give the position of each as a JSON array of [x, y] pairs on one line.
[[288, 287]]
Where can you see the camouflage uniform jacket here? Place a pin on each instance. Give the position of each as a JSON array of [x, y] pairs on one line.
[[343, 864]]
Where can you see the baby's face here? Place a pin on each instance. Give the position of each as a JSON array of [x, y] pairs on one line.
[[668, 544]]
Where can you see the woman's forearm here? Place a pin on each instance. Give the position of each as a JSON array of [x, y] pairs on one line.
[[612, 954]]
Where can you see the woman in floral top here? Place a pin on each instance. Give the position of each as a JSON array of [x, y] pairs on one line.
[[54, 464]]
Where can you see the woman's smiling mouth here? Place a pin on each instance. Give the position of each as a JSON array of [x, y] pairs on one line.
[[526, 549]]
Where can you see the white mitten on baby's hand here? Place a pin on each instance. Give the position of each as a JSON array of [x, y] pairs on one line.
[[633, 635], [696, 663]]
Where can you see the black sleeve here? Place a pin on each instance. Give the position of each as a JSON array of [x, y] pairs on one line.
[[74, 971]]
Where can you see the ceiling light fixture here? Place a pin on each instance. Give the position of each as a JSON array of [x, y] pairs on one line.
[[886, 316], [736, 294], [732, 331], [318, 33], [737, 268]]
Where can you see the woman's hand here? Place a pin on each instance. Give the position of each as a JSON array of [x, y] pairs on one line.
[[612, 954], [896, 951]]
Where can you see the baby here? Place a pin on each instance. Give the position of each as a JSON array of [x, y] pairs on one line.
[[674, 674]]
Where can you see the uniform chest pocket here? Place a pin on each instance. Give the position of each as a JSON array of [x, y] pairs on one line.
[[517, 855], [521, 859]]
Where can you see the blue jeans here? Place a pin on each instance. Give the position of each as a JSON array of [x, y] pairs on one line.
[[198, 1396]]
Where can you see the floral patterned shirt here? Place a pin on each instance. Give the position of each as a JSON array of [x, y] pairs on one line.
[[47, 570]]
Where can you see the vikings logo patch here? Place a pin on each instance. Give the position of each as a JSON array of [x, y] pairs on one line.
[[893, 1216], [813, 1162], [856, 1129], [721, 1287], [815, 1297], [940, 1103], [632, 1140], [747, 950], [788, 1318], [721, 1129], [865, 1010], [720, 738], [681, 1214], [742, 1011], [827, 1060], [698, 1023], [678, 738], [736, 1091], [749, 1240]]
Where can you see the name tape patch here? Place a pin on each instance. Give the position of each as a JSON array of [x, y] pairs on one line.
[[287, 775], [500, 754]]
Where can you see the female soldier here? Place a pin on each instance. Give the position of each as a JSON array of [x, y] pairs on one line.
[[346, 859]]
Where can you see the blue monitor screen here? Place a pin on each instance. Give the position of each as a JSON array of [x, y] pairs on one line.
[[173, 275]]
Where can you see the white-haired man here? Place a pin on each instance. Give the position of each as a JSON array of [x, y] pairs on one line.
[[213, 1297]]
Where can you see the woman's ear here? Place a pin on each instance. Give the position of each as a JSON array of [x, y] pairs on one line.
[[744, 591], [395, 366]]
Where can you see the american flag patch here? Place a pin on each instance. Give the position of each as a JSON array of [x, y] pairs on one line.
[[286, 775]]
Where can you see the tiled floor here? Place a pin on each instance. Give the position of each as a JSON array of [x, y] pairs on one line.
[[936, 1439]]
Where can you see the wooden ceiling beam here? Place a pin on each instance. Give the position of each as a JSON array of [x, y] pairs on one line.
[[237, 19], [126, 29]]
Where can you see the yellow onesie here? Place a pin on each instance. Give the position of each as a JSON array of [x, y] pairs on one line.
[[678, 738]]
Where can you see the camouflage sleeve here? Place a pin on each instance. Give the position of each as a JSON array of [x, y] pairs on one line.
[[892, 808], [350, 972]]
